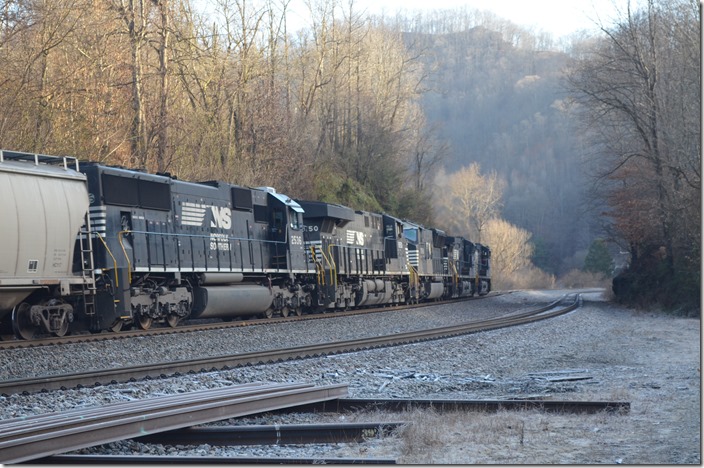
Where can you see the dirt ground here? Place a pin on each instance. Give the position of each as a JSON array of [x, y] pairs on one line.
[[649, 359]]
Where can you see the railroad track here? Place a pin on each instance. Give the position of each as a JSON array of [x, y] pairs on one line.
[[10, 342], [33, 437], [102, 377], [169, 420], [181, 460]]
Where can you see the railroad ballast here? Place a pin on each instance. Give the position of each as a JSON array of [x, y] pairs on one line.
[[91, 247]]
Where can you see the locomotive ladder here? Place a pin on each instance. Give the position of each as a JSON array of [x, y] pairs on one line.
[[88, 268]]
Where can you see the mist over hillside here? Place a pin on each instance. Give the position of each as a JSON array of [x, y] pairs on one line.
[[502, 104]]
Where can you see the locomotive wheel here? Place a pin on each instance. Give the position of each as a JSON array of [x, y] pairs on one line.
[[172, 320], [117, 326], [22, 322], [144, 322]]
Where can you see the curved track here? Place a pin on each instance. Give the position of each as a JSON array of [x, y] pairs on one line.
[[83, 379], [216, 324]]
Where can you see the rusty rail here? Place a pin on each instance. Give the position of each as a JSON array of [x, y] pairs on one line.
[[32, 437], [331, 433], [181, 460], [559, 406]]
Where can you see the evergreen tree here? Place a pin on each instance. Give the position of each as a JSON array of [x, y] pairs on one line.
[[598, 259]]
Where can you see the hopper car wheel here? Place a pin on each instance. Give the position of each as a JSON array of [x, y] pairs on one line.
[[6, 330], [284, 312], [173, 320], [22, 322], [145, 322], [298, 311], [63, 330], [269, 313]]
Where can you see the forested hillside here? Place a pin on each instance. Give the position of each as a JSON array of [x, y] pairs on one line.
[[501, 103]]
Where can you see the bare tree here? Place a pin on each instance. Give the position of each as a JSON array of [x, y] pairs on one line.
[[473, 200], [641, 98], [133, 13], [163, 119], [511, 249], [428, 151]]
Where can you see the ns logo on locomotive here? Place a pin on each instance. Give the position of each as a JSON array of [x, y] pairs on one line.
[[89, 247]]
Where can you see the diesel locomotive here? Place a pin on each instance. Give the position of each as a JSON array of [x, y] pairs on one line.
[[90, 247]]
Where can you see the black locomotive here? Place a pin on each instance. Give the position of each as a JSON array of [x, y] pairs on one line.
[[96, 247]]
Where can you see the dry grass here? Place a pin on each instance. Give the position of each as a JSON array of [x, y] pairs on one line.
[[528, 278], [506, 437], [584, 279]]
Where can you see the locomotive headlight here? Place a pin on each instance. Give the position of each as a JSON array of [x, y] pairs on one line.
[[98, 271]]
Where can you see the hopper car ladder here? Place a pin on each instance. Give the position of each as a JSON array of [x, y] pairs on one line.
[[88, 288]]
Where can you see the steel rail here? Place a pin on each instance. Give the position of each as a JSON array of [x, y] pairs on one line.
[[274, 434], [166, 369], [399, 405], [13, 343], [194, 460], [24, 439]]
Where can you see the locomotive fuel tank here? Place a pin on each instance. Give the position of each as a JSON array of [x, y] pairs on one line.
[[42, 208], [231, 300]]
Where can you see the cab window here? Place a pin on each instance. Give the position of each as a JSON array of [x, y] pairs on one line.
[[296, 220]]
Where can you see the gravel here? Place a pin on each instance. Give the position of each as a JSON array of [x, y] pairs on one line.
[[649, 359]]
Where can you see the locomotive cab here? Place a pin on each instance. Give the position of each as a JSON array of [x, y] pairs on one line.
[[322, 223], [285, 231], [426, 261], [482, 261], [459, 261]]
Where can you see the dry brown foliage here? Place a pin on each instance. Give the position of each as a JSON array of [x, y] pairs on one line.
[[584, 279]]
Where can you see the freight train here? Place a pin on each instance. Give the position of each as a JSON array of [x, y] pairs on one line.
[[90, 248]]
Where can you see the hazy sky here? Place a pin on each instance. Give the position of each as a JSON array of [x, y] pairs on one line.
[[558, 17]]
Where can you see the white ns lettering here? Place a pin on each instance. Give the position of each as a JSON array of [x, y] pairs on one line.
[[222, 217]]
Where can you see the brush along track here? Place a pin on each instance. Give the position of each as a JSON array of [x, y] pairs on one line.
[[166, 369]]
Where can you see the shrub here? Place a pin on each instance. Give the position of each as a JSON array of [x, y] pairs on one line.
[[584, 279]]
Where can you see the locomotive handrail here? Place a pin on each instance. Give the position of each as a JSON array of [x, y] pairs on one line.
[[319, 270], [127, 257], [114, 261], [322, 252], [362, 266], [333, 271], [455, 275], [174, 234], [205, 238], [413, 277], [37, 158]]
